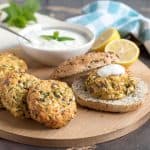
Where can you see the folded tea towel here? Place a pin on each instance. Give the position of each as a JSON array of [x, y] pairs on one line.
[[100, 15]]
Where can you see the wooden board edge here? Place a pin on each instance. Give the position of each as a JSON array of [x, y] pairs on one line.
[[76, 142]]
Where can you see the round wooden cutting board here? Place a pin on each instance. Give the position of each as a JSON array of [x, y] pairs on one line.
[[89, 127]]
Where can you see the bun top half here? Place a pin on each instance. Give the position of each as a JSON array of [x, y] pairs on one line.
[[83, 63]]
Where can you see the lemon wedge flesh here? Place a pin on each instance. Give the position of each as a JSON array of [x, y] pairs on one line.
[[127, 51], [105, 38]]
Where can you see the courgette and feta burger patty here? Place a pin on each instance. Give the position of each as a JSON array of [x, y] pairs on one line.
[[14, 90], [10, 63], [51, 103], [110, 88]]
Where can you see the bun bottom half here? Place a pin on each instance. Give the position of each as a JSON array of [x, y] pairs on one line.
[[126, 104]]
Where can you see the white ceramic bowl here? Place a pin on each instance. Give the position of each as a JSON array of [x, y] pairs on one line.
[[51, 57]]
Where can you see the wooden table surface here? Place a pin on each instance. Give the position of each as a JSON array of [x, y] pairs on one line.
[[137, 140]]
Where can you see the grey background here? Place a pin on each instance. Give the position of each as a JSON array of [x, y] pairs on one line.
[[137, 140]]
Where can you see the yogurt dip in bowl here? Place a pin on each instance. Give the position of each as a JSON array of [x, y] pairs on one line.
[[52, 44]]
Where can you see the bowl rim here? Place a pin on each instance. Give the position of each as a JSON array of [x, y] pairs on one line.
[[69, 26]]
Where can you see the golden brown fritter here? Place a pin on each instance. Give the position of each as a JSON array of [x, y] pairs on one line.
[[111, 87], [51, 103], [10, 63], [14, 89]]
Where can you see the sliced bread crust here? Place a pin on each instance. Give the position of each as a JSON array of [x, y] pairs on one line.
[[129, 103], [83, 63]]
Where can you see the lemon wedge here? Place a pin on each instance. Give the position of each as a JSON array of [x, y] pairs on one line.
[[127, 51], [105, 38]]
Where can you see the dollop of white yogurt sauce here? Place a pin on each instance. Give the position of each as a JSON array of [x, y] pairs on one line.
[[39, 42], [112, 69]]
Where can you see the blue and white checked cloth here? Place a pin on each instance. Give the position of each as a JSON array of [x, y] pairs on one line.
[[101, 15]]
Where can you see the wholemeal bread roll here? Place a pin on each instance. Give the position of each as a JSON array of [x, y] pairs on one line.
[[80, 65], [129, 103]]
